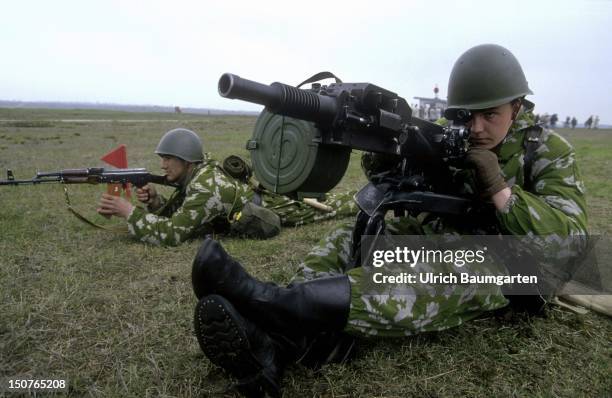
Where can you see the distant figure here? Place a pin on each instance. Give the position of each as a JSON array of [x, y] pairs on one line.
[[596, 122], [588, 122], [574, 122], [433, 114], [566, 123], [553, 120], [177, 109], [544, 120], [438, 114]]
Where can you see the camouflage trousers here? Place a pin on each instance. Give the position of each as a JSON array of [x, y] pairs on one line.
[[423, 308], [294, 213]]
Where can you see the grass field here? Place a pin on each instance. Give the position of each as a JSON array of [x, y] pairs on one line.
[[114, 317]]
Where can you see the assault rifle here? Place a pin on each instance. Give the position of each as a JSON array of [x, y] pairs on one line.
[[94, 175], [116, 179]]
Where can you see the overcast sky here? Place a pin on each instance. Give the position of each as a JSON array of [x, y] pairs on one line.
[[173, 52]]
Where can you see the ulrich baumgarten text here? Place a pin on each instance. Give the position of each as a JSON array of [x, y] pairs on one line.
[[452, 278]]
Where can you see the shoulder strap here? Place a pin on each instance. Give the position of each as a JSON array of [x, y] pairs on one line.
[[320, 76], [531, 142]]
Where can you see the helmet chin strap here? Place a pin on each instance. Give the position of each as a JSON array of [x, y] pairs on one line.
[[189, 166], [516, 107]]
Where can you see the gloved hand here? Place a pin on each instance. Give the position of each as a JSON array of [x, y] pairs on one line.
[[489, 180]]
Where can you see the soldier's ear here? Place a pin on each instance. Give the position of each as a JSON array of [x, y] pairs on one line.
[[188, 165]]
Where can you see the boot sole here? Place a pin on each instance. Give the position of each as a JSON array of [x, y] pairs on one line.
[[221, 334]]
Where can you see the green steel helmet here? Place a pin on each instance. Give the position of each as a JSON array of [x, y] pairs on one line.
[[182, 143], [484, 77]]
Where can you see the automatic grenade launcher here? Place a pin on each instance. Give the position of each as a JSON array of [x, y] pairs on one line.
[[318, 127]]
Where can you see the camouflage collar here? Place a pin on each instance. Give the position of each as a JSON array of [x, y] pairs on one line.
[[513, 143], [187, 179]]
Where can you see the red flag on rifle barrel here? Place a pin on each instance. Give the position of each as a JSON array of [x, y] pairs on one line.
[[117, 158]]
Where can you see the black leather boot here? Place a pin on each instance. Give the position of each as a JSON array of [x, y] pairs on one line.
[[237, 345], [254, 358], [308, 308]]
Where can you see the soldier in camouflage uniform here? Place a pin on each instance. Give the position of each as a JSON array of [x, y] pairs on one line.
[[207, 199], [269, 326]]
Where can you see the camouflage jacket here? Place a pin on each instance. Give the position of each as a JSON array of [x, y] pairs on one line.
[[553, 204], [201, 205], [556, 204], [209, 198]]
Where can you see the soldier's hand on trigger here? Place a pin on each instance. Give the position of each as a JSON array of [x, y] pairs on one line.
[[146, 194], [487, 172]]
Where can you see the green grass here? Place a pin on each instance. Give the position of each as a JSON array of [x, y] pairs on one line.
[[114, 317]]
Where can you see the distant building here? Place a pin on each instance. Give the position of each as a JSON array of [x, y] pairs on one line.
[[430, 108]]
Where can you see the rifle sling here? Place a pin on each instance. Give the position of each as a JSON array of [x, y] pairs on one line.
[[118, 229]]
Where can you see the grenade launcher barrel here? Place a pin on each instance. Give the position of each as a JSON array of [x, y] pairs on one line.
[[280, 98]]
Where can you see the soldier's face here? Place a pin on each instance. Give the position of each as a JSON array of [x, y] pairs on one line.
[[174, 168], [488, 127]]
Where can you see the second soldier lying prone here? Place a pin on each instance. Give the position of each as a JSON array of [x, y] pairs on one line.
[[210, 200]]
